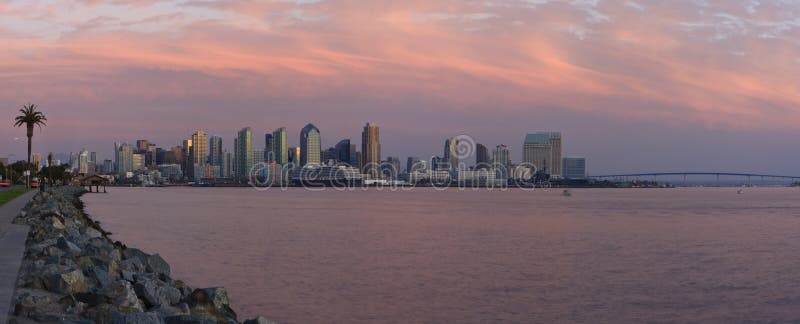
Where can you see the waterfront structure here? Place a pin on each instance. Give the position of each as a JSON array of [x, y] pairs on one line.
[[215, 150], [244, 152], [481, 156], [574, 168], [370, 150], [310, 145], [476, 177], [340, 175], [170, 171], [280, 146], [543, 150], [269, 150]]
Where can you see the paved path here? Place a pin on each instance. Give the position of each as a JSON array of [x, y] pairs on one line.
[[12, 247]]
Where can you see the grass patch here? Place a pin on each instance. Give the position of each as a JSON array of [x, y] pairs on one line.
[[10, 194]]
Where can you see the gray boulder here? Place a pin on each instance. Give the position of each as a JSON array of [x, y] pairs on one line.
[[68, 246], [70, 281], [124, 297]]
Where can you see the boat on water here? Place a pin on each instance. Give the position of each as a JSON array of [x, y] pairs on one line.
[[566, 193]]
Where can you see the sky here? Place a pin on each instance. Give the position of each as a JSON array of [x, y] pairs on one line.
[[632, 85]]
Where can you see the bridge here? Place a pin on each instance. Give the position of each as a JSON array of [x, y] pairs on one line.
[[655, 175]]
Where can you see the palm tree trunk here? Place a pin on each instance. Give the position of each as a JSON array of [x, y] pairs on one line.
[[30, 167]]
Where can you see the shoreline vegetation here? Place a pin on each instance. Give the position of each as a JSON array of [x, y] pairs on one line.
[[72, 271]]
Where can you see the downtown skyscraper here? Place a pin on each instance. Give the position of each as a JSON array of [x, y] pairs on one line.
[[310, 145], [215, 152], [543, 150], [244, 153], [371, 150], [280, 148], [198, 154]]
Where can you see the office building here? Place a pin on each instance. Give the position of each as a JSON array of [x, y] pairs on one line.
[[124, 159], [137, 161], [83, 162], [481, 156], [280, 147], [310, 145], [269, 150], [36, 160], [226, 170], [293, 155], [244, 152], [543, 150], [415, 164], [574, 168], [451, 155], [501, 161], [370, 150], [215, 150]]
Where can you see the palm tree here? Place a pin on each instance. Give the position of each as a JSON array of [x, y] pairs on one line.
[[30, 117]]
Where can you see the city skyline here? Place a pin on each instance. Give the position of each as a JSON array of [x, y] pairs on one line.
[[680, 85]]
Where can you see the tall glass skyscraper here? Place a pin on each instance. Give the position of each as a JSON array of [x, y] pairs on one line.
[[280, 149], [310, 146], [244, 153], [269, 155], [371, 150], [215, 155]]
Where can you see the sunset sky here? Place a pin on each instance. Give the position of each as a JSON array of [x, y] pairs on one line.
[[633, 85]]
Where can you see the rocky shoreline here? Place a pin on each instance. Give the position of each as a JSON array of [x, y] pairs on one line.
[[73, 272]]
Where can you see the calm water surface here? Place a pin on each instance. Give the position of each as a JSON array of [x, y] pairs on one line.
[[656, 255]]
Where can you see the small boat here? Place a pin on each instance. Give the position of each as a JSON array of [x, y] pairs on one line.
[[740, 191], [566, 193]]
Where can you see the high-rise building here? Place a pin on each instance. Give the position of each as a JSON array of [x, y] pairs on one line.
[[73, 161], [501, 156], [310, 145], [215, 150], [36, 160], [108, 166], [451, 155], [543, 150], [269, 151], [186, 159], [257, 156], [293, 155], [346, 152], [137, 161], [141, 145], [93, 157], [391, 168], [371, 150], [150, 156], [124, 159], [415, 164], [244, 153], [198, 154], [280, 146], [481, 156], [226, 170], [83, 162], [574, 168]]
